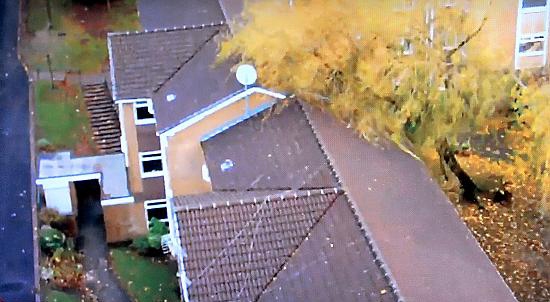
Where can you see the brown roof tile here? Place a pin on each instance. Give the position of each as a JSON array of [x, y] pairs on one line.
[[431, 253], [142, 61], [238, 243], [268, 152], [335, 260], [199, 83]]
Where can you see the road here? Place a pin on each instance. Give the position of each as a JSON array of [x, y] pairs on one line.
[[16, 230]]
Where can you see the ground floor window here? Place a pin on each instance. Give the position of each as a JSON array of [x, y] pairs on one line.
[[156, 208]]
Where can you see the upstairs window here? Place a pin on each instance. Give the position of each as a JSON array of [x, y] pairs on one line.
[[533, 3], [151, 164], [408, 4], [406, 47], [447, 3], [144, 113], [532, 38]]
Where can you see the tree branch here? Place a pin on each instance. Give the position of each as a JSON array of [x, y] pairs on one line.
[[468, 38]]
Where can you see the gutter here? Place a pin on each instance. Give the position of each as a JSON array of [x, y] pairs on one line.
[[213, 108], [111, 67]]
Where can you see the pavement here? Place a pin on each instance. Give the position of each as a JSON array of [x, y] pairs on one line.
[[92, 242], [16, 226]]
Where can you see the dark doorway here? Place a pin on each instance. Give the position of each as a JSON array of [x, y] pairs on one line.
[[92, 242], [90, 217]]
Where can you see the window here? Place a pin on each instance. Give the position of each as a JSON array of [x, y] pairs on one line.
[[533, 3], [408, 4], [144, 113], [429, 16], [447, 3], [406, 46], [404, 5], [532, 47], [532, 34], [157, 209], [151, 164]]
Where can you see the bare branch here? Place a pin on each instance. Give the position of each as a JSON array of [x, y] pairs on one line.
[[468, 38]]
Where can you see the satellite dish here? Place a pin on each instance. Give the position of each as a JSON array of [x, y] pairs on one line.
[[246, 74]]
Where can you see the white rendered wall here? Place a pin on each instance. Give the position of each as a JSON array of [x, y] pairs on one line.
[[59, 198]]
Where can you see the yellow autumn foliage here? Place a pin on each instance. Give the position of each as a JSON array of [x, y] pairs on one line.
[[353, 58]]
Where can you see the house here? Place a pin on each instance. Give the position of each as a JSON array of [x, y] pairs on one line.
[[170, 97], [269, 199], [276, 225], [517, 28]]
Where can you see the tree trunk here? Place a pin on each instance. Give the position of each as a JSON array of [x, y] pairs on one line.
[[470, 191]]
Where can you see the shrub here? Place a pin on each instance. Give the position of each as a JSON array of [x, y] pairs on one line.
[[151, 243], [67, 225], [44, 145], [51, 217], [48, 215], [51, 239], [157, 228], [140, 244], [68, 271]]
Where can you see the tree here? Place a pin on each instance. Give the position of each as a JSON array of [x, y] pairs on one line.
[[419, 76]]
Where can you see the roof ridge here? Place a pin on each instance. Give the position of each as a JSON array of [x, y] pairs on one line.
[[270, 195], [306, 237], [180, 67], [167, 29]]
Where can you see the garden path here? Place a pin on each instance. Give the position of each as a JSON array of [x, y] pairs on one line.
[[100, 279]]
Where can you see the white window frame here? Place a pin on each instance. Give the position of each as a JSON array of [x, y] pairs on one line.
[[531, 37], [144, 104], [447, 3], [407, 50], [156, 204], [409, 6], [149, 156]]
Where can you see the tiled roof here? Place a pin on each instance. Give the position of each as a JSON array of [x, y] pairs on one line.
[[431, 253], [245, 246], [268, 152], [142, 61], [169, 13], [335, 263], [198, 84]]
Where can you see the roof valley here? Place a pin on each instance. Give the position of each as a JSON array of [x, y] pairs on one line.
[[308, 233]]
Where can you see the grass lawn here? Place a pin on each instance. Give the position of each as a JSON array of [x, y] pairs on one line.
[[77, 39], [59, 296], [60, 115], [145, 279]]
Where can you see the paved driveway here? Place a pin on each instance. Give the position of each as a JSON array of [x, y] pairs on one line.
[[16, 230]]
